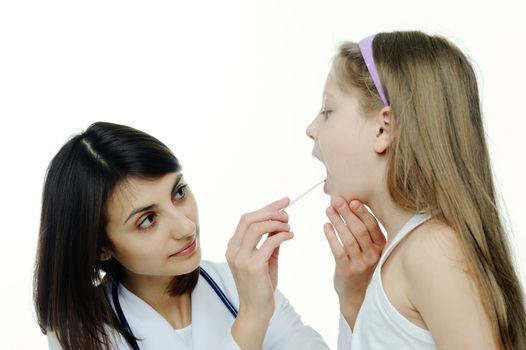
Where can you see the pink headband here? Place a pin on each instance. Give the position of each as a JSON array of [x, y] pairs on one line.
[[366, 48]]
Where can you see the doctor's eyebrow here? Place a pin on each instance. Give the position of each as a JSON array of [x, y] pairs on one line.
[[152, 206]]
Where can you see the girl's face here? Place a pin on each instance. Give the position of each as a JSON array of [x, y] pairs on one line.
[[153, 227], [344, 141]]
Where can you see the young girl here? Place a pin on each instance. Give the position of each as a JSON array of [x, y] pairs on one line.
[[119, 260], [401, 131]]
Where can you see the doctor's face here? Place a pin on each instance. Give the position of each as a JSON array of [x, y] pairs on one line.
[[153, 226]]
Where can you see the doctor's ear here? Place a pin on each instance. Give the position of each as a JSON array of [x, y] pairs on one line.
[[384, 135], [104, 254]]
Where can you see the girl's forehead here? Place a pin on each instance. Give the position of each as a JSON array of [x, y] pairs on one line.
[[331, 90]]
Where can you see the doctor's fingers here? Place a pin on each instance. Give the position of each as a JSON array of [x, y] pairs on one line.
[[272, 211], [272, 243], [256, 262], [256, 231], [349, 242], [369, 221], [244, 246]]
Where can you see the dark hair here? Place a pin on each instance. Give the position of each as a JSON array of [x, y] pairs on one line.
[[69, 287]]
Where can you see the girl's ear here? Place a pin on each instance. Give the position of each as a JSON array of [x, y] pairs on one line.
[[384, 136], [105, 254]]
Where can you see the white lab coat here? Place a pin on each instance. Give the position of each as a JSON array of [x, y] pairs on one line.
[[211, 320]]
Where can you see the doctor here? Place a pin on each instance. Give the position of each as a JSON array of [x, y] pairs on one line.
[[119, 257]]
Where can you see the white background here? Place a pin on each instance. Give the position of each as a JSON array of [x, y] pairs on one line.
[[230, 87]]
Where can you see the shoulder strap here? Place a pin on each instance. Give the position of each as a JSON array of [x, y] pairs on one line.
[[409, 226]]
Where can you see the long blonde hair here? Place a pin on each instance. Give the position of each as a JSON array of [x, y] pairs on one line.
[[439, 162]]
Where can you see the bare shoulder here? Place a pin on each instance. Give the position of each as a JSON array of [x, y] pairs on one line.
[[434, 246], [442, 291], [432, 260]]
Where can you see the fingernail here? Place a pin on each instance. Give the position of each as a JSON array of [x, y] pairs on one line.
[[355, 205]]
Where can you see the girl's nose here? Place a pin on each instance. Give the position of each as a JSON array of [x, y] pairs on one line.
[[311, 131]]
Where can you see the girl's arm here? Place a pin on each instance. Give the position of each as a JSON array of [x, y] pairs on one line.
[[444, 294], [356, 242]]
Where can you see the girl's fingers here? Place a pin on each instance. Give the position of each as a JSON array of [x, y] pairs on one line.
[[346, 237], [336, 248], [369, 221], [357, 228]]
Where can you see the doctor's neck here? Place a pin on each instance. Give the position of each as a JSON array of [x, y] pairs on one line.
[[154, 290]]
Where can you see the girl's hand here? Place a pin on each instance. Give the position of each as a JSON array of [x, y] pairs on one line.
[[356, 257], [255, 270]]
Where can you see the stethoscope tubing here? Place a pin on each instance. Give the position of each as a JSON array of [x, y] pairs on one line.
[[120, 314]]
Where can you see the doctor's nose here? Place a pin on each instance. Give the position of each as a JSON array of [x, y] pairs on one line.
[[182, 226]]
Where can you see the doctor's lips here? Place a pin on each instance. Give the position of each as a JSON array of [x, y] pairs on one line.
[[187, 250]]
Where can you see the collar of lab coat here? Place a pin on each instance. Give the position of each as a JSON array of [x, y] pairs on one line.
[[211, 320]]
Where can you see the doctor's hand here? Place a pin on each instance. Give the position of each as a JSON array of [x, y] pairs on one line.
[[255, 270], [356, 253]]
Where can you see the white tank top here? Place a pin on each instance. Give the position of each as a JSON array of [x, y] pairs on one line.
[[379, 325]]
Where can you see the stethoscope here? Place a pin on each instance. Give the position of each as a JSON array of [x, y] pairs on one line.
[[202, 272]]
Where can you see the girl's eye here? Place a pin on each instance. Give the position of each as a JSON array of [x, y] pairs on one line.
[[325, 113], [147, 222], [180, 193]]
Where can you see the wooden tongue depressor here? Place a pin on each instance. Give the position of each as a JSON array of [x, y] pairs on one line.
[[306, 192]]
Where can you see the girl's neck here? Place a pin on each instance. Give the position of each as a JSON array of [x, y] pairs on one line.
[[177, 310], [389, 214]]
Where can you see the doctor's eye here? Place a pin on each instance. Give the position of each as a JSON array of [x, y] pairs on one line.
[[148, 221], [179, 192]]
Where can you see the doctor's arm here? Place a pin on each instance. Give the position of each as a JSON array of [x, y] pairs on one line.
[[255, 270], [117, 341], [52, 341], [287, 331]]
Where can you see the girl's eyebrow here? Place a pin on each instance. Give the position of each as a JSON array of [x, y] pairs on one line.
[[152, 206]]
